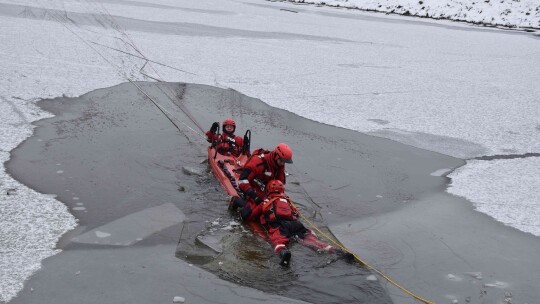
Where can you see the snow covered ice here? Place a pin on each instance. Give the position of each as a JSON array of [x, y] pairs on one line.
[[503, 12], [469, 93], [498, 189]]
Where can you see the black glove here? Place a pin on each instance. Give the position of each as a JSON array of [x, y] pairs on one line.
[[214, 127], [251, 193]]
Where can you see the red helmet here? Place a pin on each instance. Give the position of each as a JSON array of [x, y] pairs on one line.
[[275, 186], [284, 152], [228, 122]]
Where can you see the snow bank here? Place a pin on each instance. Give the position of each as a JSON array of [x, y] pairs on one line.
[[507, 13]]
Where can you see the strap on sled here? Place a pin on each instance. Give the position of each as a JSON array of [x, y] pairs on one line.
[[215, 141]]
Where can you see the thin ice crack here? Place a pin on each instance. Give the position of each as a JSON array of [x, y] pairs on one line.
[[507, 156]]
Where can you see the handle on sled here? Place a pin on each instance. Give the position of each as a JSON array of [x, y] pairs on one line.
[[247, 143], [215, 142]]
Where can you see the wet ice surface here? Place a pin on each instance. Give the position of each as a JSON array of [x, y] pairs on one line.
[[134, 227], [440, 172], [482, 266]]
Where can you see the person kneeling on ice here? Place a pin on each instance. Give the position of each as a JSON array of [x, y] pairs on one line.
[[227, 142], [280, 218], [259, 169]]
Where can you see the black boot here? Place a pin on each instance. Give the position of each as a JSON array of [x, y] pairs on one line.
[[285, 256], [347, 256], [245, 213], [236, 202]]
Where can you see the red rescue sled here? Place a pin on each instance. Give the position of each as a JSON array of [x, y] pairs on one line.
[[227, 169]]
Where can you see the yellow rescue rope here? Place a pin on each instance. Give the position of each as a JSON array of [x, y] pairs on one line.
[[363, 262]]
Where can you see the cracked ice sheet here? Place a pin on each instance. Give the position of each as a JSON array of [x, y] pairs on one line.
[[506, 190], [45, 65], [134, 227], [31, 223]]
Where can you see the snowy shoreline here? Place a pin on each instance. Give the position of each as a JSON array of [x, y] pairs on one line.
[[507, 13]]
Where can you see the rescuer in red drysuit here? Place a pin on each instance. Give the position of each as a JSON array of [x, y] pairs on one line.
[[259, 169], [227, 142], [280, 218]]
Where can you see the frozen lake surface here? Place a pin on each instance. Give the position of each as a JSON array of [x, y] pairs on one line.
[[455, 89]]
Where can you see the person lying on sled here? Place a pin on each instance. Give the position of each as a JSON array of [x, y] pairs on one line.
[[280, 218], [227, 142], [259, 169]]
